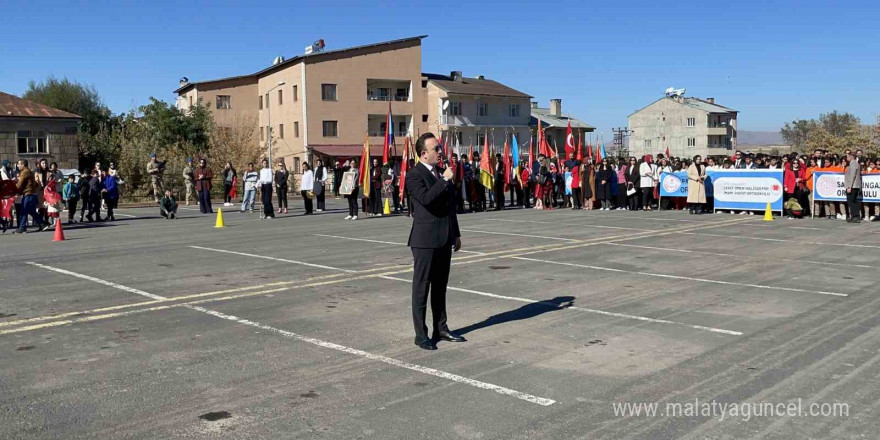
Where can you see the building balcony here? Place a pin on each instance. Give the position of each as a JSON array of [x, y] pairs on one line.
[[718, 130], [388, 90], [400, 98]]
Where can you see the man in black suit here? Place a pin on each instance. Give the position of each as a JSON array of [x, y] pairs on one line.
[[499, 182], [433, 237]]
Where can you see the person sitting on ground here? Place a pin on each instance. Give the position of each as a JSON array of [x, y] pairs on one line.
[[168, 206], [793, 208]]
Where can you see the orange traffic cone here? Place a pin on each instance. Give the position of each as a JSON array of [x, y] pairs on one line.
[[59, 233]]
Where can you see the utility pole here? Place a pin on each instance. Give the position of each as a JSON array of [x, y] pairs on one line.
[[620, 135]]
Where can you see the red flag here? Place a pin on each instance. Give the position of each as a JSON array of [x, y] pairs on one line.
[[543, 146], [598, 154], [404, 167], [579, 155], [667, 152], [470, 152], [589, 151], [569, 141]]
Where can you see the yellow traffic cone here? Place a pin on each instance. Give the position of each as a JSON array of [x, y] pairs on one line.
[[387, 208], [768, 214], [219, 223]]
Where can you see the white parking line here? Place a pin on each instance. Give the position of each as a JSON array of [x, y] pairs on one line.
[[586, 225], [543, 401], [600, 312], [677, 277], [718, 254], [519, 235], [383, 242], [786, 240], [320, 266]]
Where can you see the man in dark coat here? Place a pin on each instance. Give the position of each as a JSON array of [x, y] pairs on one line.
[[433, 238]]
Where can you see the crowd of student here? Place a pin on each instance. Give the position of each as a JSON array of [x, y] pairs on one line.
[[547, 183], [43, 193]]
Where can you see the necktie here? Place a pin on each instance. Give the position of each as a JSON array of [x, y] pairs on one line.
[[436, 173]]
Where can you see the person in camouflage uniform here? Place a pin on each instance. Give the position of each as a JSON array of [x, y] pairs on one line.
[[155, 169], [189, 179]]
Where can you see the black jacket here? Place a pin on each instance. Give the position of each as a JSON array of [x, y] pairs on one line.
[[632, 176], [435, 224]]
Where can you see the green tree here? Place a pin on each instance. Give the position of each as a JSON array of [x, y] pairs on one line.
[[797, 132]]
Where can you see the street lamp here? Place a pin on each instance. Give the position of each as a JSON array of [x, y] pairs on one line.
[[269, 121]]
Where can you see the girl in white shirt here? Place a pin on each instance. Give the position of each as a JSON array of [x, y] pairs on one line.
[[305, 187]]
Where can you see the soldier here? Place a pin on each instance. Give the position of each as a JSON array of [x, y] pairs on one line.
[[155, 169], [189, 179]]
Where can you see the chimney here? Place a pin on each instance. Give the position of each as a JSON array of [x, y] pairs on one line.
[[481, 77], [184, 81], [455, 75], [556, 107], [534, 104], [711, 100]]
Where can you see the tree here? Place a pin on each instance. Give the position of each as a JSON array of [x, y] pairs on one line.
[[797, 132], [73, 97], [838, 124]]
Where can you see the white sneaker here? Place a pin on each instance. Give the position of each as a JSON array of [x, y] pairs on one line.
[[348, 217], [262, 216], [872, 218], [354, 218], [379, 215], [841, 217]]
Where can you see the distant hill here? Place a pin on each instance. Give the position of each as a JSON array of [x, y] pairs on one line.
[[759, 138]]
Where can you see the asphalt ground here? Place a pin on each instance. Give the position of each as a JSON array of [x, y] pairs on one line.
[[299, 327]]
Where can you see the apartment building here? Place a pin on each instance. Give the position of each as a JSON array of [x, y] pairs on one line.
[[555, 124], [324, 103], [467, 111], [687, 126]]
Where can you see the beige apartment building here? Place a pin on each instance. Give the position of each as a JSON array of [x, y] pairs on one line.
[[468, 110], [687, 126], [555, 124], [323, 104]]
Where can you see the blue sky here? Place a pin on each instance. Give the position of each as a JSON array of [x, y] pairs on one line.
[[773, 61]]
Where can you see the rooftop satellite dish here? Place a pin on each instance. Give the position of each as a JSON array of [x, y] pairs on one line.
[[445, 105]]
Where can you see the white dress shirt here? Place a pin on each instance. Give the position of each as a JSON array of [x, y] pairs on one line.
[[307, 183], [266, 176]]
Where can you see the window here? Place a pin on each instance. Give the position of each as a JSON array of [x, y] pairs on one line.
[[262, 133], [328, 92], [401, 127], [331, 129], [513, 110], [224, 102], [647, 143], [424, 83], [190, 100], [692, 122], [267, 100], [296, 165], [454, 108], [383, 129], [459, 138], [280, 130], [261, 102], [424, 118], [296, 129], [692, 142], [402, 95], [280, 97], [31, 141], [295, 94], [482, 109], [481, 138]]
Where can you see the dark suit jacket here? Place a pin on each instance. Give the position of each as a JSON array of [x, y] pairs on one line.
[[632, 176], [435, 224]]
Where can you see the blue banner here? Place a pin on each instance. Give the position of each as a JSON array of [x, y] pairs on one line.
[[748, 190], [830, 187], [675, 184], [738, 190]]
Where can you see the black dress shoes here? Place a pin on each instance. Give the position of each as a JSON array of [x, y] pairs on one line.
[[425, 344], [449, 337]]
